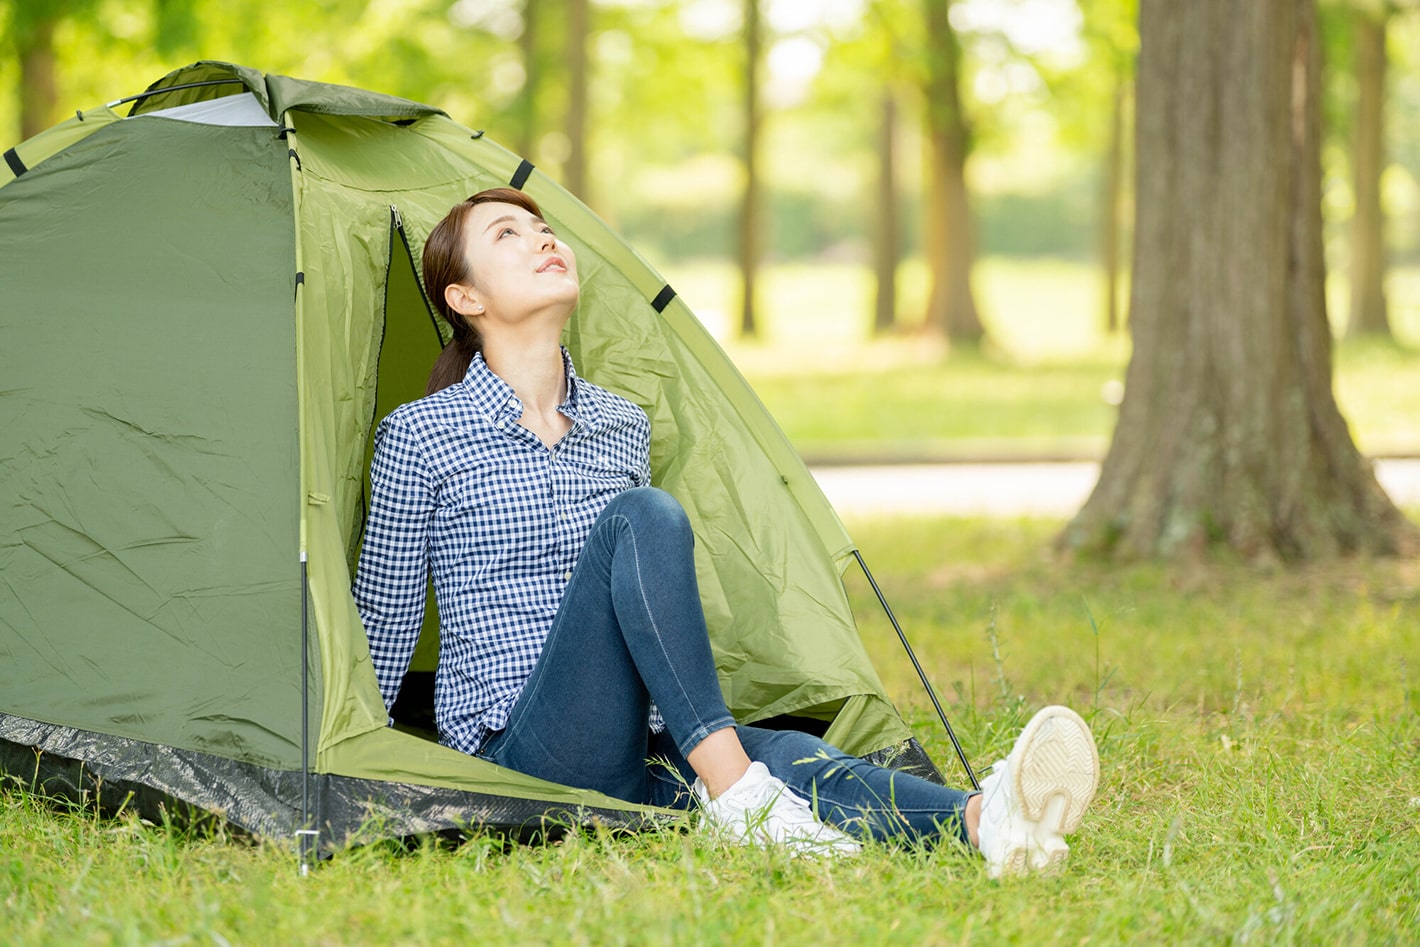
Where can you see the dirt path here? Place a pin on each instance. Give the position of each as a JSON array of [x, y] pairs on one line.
[[1053, 490]]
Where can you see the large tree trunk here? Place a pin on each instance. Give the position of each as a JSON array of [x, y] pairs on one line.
[[885, 247], [951, 253], [1368, 263], [1229, 433], [578, 29], [751, 207]]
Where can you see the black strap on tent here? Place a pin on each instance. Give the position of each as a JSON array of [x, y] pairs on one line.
[[12, 158], [902, 636], [520, 176], [300, 281], [663, 298]]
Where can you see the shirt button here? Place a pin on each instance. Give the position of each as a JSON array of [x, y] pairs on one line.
[[567, 576]]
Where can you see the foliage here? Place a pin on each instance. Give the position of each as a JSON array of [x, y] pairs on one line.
[[663, 98], [1402, 182], [664, 105]]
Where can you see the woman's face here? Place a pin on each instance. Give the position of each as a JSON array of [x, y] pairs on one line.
[[519, 266]]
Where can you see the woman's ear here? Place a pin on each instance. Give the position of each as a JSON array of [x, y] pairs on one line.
[[461, 299]]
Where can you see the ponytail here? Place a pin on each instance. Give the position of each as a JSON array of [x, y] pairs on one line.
[[453, 362]]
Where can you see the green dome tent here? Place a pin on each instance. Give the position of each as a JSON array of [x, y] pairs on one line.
[[208, 303]]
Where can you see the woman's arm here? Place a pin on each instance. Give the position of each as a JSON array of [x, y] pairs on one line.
[[392, 578]]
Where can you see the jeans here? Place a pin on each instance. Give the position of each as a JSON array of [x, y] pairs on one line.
[[630, 632]]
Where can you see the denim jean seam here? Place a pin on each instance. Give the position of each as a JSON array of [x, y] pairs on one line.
[[865, 815], [882, 805], [871, 807], [655, 628], [513, 725]]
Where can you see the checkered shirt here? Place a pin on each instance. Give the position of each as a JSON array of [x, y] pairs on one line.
[[460, 489]]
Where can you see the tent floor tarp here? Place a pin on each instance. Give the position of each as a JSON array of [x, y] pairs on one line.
[[113, 774]]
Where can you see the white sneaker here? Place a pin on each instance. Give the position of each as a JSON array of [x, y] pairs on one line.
[[1038, 794], [760, 810]]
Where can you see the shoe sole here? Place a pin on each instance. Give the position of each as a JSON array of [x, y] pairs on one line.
[[1056, 772]]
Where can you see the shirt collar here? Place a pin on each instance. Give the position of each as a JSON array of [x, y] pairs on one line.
[[574, 400], [495, 398]]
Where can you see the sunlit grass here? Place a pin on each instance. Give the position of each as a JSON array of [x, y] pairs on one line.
[[1259, 737], [1043, 386], [1205, 637], [1259, 731], [1037, 309]]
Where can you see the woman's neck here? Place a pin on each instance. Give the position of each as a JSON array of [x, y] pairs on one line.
[[534, 370]]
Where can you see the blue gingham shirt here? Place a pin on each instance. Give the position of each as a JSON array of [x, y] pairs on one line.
[[462, 490]]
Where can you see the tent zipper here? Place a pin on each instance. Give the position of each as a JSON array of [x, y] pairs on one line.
[[397, 223]]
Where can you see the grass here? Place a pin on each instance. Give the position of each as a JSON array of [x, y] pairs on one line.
[[1259, 736], [1259, 731], [1042, 388]]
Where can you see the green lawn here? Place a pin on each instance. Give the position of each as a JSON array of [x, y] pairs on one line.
[[1259, 730], [1259, 737], [1040, 388]]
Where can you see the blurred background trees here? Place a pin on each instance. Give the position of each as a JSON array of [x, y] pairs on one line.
[[642, 107], [881, 131], [893, 156], [1369, 19]]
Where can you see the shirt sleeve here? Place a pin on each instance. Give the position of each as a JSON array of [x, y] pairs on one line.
[[643, 478], [392, 578]]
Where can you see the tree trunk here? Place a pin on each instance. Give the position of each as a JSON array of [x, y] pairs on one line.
[[1110, 224], [1368, 257], [1229, 433], [532, 76], [38, 91], [578, 29], [752, 207], [885, 248], [951, 305]]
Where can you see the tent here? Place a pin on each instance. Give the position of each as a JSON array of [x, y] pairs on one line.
[[208, 298]]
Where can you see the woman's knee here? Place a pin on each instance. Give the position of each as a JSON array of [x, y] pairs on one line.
[[650, 506]]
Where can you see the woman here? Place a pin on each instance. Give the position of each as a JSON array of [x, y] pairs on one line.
[[573, 646]]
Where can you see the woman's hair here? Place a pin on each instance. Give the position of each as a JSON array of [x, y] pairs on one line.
[[445, 263]]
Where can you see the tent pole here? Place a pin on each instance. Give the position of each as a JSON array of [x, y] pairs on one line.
[[305, 835], [173, 88], [931, 693]]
